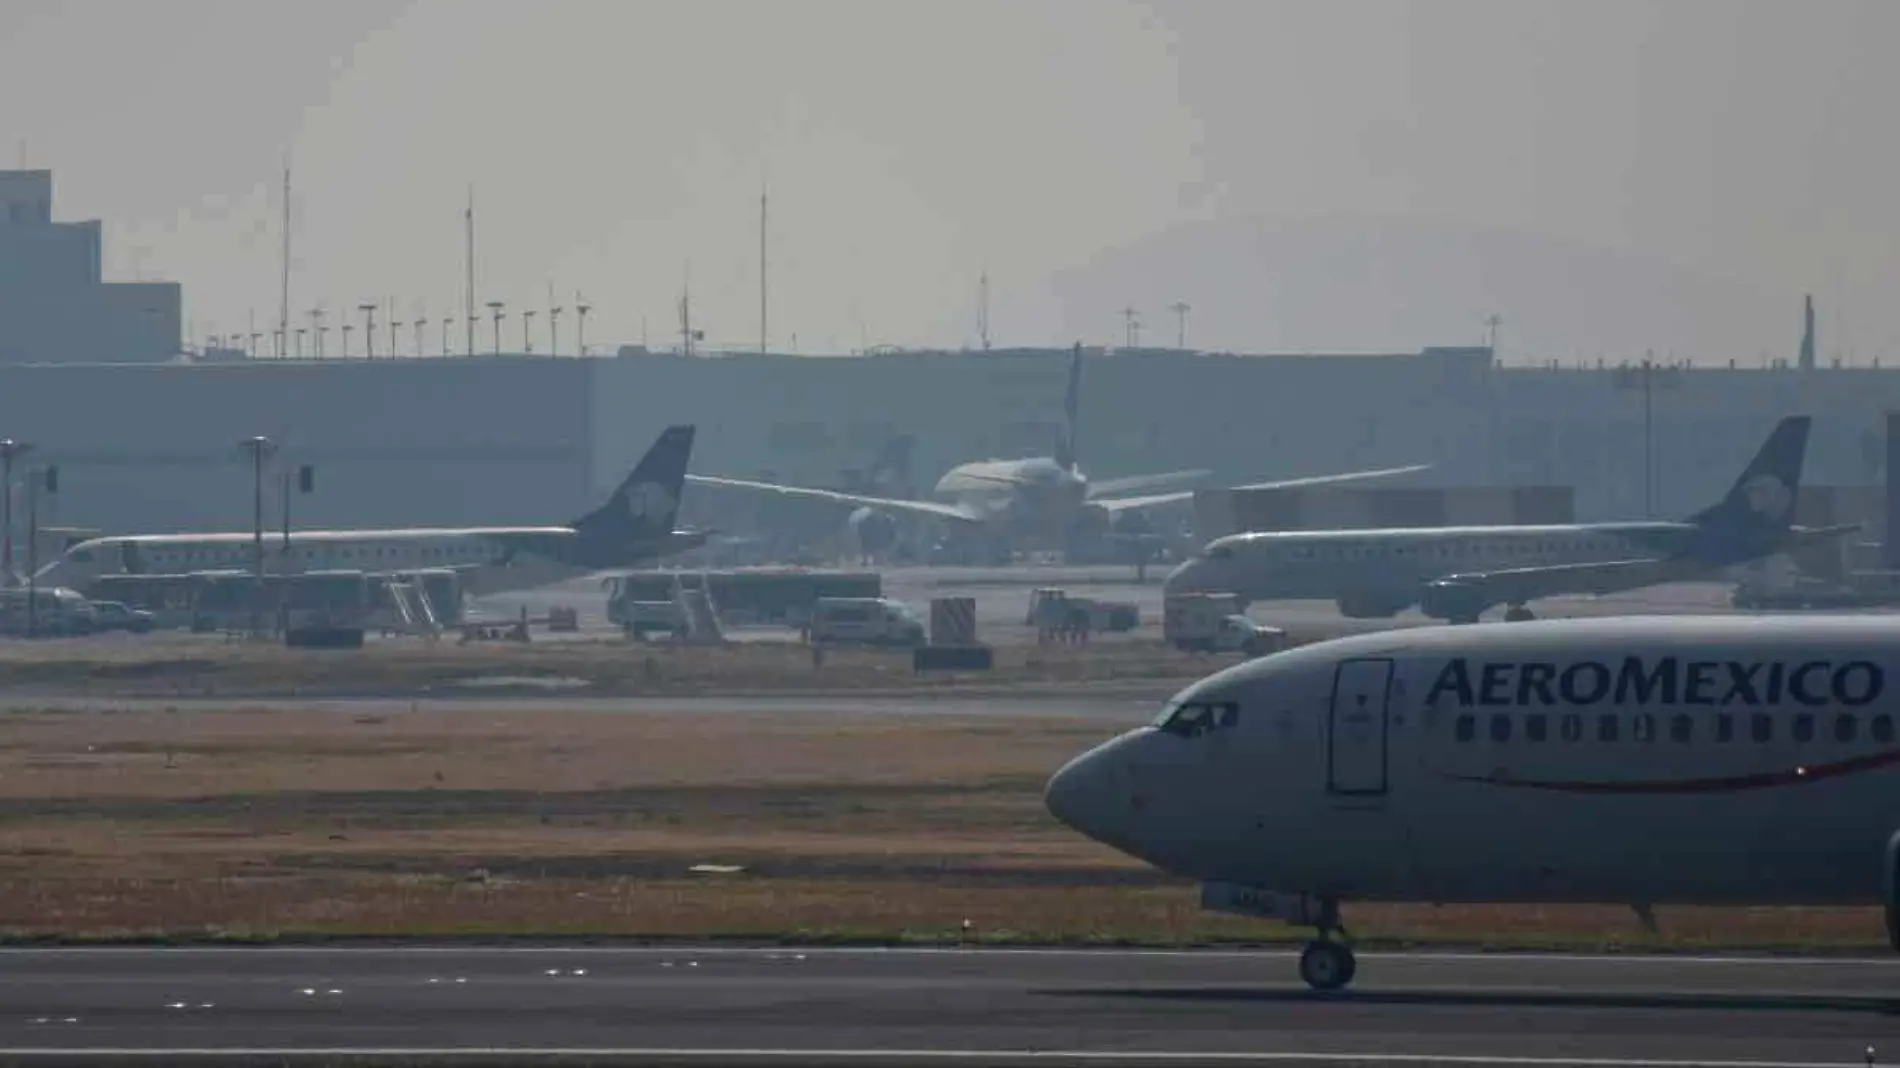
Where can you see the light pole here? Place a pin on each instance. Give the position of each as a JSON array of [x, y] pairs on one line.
[[9, 450], [420, 323], [1646, 376], [300, 333], [261, 448], [554, 330], [448, 324], [392, 329], [495, 306], [527, 337], [317, 328], [1180, 310], [581, 308], [369, 329], [346, 339]]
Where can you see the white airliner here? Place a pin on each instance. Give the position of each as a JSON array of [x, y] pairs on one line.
[[1456, 573], [1041, 500], [634, 526], [1719, 760]]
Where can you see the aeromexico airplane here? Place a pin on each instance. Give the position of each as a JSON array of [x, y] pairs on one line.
[[634, 526], [1717, 760], [1456, 573]]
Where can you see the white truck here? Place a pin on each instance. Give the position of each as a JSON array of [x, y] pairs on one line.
[[1213, 622], [866, 621]]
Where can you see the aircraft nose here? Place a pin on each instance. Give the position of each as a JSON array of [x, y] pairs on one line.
[[1081, 794]]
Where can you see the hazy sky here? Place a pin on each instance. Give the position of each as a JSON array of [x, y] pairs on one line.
[[909, 145]]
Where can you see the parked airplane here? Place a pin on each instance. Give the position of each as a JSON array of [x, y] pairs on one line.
[[1456, 573], [1718, 760], [1042, 500], [634, 526]]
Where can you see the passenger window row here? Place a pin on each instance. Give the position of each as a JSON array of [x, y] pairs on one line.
[[1681, 728]]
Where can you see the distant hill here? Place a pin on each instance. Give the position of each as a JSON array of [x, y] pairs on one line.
[[1365, 284]]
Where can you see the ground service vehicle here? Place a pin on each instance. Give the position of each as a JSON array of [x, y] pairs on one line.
[[866, 621], [1057, 609], [1213, 622]]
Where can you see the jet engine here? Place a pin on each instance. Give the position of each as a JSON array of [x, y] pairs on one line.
[[874, 532], [1458, 602], [1370, 606]]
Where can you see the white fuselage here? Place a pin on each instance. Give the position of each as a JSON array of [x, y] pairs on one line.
[[491, 559], [1632, 760], [1387, 569], [1034, 497]]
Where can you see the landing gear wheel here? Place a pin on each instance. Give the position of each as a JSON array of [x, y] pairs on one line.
[[1327, 965], [1517, 613]]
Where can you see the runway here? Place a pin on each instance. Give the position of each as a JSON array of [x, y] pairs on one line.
[[700, 1005]]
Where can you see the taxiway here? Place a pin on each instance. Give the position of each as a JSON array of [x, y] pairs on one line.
[[731, 1005]]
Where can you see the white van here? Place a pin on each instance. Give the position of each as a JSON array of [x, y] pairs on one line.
[[865, 621]]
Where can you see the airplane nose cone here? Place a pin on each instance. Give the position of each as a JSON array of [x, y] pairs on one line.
[[1079, 794]]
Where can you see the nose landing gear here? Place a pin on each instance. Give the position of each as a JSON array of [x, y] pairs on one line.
[[1328, 963]]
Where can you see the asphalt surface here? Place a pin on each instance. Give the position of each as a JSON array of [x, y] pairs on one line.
[[683, 1005]]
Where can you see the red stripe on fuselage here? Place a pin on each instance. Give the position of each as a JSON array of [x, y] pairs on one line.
[[1723, 784]]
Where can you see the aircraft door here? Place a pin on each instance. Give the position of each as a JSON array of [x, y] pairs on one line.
[[1356, 728]]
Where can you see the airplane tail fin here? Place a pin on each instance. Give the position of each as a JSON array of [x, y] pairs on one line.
[[1071, 405], [1759, 508], [647, 502]]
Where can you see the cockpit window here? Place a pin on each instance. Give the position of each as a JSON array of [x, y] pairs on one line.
[[82, 556], [1221, 552], [1191, 719]]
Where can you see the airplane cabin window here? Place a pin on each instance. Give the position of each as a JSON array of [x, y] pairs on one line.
[[1606, 727], [1573, 728], [1500, 728], [1466, 727], [1881, 728], [1804, 727], [1724, 727], [1645, 728], [1762, 727], [1536, 727], [1845, 727], [1680, 729]]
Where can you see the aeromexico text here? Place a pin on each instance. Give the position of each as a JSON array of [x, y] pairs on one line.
[[1663, 681]]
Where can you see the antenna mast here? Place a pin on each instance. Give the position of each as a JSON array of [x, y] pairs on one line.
[[468, 259], [983, 310], [686, 313], [762, 270], [283, 293]]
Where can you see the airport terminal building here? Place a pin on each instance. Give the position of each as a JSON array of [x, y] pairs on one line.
[[94, 375], [493, 439]]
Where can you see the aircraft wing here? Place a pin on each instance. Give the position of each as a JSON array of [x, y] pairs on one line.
[[1141, 482], [1519, 584], [1803, 537], [935, 509], [1122, 504]]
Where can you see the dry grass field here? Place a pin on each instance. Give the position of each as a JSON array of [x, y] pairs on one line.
[[284, 821], [199, 666]]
